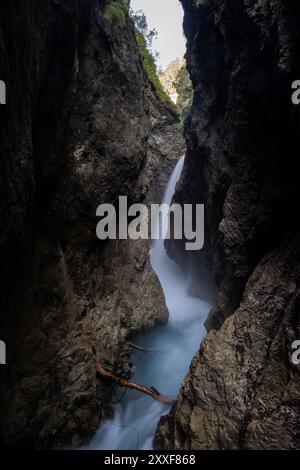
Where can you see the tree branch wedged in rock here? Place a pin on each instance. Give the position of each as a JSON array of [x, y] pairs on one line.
[[126, 383], [139, 348]]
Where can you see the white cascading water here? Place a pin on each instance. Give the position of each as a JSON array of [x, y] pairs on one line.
[[172, 349]]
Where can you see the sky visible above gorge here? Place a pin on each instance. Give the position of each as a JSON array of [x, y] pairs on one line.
[[166, 17]]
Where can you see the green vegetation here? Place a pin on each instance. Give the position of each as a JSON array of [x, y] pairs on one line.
[[177, 84], [150, 68], [168, 76], [144, 38], [140, 22], [116, 11], [185, 91]]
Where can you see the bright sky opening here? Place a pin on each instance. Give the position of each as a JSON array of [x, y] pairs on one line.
[[166, 16]]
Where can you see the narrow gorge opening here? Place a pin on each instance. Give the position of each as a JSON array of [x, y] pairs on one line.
[[163, 357], [160, 359], [100, 325]]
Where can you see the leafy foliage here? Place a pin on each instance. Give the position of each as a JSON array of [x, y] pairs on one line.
[[184, 88], [177, 84], [150, 68], [144, 39], [168, 77], [141, 24]]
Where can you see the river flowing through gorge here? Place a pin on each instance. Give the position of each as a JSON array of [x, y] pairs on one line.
[[87, 123], [171, 350]]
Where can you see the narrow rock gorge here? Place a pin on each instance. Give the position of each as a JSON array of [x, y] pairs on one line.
[[82, 125], [242, 390]]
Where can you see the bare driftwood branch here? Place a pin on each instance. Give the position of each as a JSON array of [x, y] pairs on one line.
[[125, 383], [139, 348]]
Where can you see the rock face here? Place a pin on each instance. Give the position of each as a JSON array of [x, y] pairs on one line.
[[242, 391], [82, 125]]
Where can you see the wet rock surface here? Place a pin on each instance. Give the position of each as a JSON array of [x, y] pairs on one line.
[[82, 125], [242, 391]]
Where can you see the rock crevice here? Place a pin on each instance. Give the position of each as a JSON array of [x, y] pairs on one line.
[[242, 391], [81, 126]]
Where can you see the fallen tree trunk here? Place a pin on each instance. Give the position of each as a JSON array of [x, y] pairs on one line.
[[125, 383]]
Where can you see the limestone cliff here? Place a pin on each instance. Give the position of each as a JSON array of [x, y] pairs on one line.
[[242, 391], [82, 125]]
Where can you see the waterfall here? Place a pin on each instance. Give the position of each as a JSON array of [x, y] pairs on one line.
[[172, 348]]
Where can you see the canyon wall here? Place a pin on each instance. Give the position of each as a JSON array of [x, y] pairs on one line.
[[82, 125], [242, 390]]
